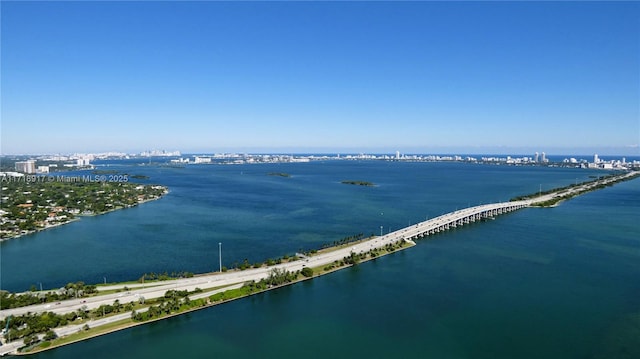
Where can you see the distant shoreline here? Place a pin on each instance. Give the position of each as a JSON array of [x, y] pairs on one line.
[[323, 268], [39, 230]]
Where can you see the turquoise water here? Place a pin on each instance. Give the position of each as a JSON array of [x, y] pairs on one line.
[[538, 283]]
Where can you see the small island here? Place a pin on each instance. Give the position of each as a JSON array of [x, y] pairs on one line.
[[83, 311], [114, 172], [279, 174], [140, 177], [359, 183], [104, 172], [34, 203]]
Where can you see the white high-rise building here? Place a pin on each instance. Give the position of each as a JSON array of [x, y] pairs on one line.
[[544, 157], [596, 159], [535, 157], [397, 155], [26, 166]]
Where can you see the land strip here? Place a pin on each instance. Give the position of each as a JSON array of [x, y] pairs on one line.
[[32, 203], [248, 282]]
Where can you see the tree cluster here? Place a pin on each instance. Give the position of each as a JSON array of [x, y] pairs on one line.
[[40, 203], [147, 277], [173, 302], [278, 276], [345, 240], [31, 324], [71, 290]]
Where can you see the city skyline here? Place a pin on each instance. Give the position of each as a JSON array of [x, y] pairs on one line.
[[298, 77]]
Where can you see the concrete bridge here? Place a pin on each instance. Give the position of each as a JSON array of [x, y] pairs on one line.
[[235, 278], [489, 211], [458, 218]]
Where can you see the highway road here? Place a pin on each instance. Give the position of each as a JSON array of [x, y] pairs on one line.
[[158, 289], [237, 278], [207, 281], [13, 346]]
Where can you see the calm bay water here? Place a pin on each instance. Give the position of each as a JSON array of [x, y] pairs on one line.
[[554, 283]]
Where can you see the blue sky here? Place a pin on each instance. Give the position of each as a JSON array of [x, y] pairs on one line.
[[420, 77]]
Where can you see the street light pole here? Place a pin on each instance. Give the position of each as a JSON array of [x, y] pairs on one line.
[[220, 255]]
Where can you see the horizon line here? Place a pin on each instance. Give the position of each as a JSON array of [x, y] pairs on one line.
[[328, 151]]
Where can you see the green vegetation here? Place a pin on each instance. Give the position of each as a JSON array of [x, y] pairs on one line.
[[573, 190], [33, 203], [307, 272], [173, 302], [176, 302], [71, 290], [359, 183], [150, 277], [355, 258], [232, 294], [344, 241], [81, 335], [29, 325], [244, 265], [50, 335], [277, 277]]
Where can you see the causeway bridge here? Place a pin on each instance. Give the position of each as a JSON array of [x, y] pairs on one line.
[[458, 218], [489, 211], [233, 279]]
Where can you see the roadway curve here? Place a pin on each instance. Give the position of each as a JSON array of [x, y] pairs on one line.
[[207, 281]]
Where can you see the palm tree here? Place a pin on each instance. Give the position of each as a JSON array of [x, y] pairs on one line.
[[117, 305]]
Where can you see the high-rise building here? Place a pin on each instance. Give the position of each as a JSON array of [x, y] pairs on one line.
[[26, 166], [544, 157], [596, 159], [397, 155], [535, 157]]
